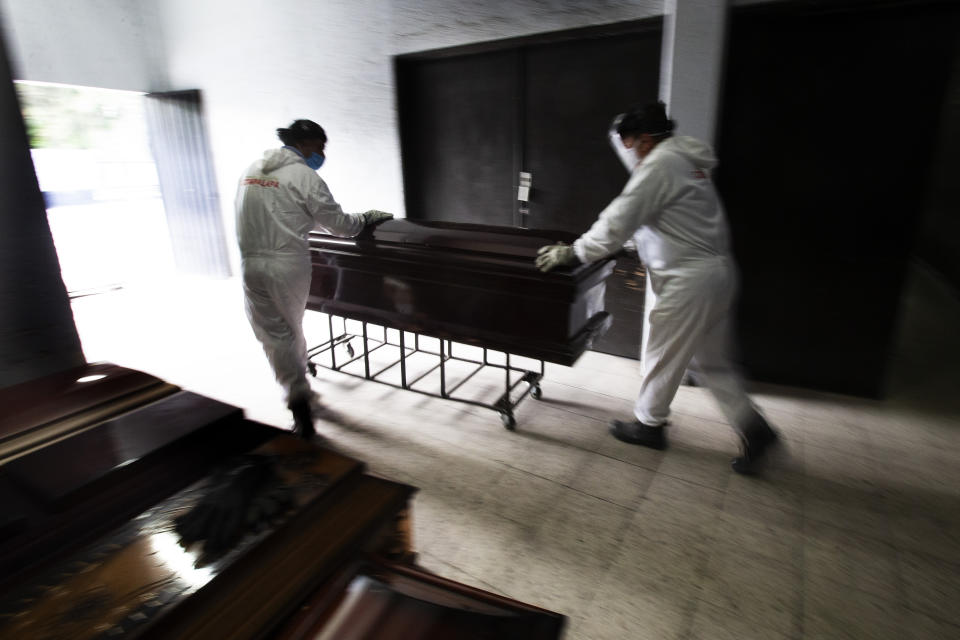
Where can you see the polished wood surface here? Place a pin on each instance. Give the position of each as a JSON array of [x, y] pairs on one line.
[[63, 495], [94, 543], [44, 409], [474, 284], [383, 597], [625, 302], [150, 586]]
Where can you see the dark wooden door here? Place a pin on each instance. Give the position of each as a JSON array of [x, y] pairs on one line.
[[829, 116], [459, 127], [472, 121], [573, 91]]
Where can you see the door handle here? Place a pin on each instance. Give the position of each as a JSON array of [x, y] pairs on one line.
[[526, 183]]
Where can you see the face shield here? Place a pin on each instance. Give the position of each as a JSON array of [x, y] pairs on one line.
[[627, 156]]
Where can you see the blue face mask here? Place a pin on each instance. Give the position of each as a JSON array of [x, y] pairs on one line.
[[315, 161]]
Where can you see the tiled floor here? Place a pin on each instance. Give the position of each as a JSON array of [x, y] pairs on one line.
[[855, 532]]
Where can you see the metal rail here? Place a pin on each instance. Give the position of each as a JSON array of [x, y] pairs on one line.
[[504, 405]]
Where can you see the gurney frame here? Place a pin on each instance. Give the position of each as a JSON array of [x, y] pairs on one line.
[[504, 405]]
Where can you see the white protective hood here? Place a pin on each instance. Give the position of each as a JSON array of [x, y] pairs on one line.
[[669, 207], [280, 200]]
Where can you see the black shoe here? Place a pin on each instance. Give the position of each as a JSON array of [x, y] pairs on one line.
[[638, 433], [689, 381], [303, 420], [755, 441]]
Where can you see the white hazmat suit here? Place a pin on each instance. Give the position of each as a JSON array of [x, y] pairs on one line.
[[670, 209], [279, 201]]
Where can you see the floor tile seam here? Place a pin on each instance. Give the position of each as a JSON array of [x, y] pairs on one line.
[[802, 613], [807, 518], [688, 617], [591, 391], [952, 565], [702, 551], [897, 594], [894, 602], [446, 444], [760, 619], [699, 484], [688, 414], [903, 590], [701, 601], [934, 616], [722, 543], [486, 585], [571, 488], [610, 457], [798, 569]]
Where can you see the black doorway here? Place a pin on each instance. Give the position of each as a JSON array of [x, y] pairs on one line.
[[828, 123], [473, 118]]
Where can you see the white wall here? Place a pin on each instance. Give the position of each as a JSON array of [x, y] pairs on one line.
[[691, 66], [114, 44], [421, 25], [261, 64]]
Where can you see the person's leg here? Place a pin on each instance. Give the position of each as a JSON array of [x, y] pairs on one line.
[[673, 321], [276, 292], [673, 327], [712, 363]]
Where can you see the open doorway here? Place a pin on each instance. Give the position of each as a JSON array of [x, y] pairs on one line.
[[93, 161]]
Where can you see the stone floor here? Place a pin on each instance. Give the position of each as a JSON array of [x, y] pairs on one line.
[[854, 533]]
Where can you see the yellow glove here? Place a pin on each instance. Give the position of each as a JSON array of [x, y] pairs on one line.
[[556, 255]]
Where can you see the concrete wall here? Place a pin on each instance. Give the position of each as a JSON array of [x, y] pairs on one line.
[[691, 64], [434, 24], [113, 44], [261, 64]]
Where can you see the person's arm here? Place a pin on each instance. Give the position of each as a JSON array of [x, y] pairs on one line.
[[327, 214], [643, 197]]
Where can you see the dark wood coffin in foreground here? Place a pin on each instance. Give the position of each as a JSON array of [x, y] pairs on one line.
[[474, 284], [90, 547]]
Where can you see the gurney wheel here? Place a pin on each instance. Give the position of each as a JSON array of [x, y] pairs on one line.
[[509, 422], [312, 368], [536, 392]]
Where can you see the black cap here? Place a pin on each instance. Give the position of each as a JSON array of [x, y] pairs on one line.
[[651, 118], [301, 130]]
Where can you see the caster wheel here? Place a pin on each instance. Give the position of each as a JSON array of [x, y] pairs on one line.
[[536, 392], [509, 422], [350, 350], [312, 368]]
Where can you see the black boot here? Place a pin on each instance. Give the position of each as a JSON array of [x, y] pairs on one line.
[[755, 441], [638, 433], [302, 419]]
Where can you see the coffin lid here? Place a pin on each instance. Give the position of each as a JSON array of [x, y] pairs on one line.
[[479, 238]]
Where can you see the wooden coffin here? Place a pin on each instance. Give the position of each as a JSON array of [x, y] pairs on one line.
[[91, 542], [473, 284]]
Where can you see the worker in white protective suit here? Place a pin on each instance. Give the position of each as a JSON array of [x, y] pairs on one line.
[[280, 199], [671, 211]]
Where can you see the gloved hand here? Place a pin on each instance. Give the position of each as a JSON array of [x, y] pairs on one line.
[[556, 255], [373, 216], [239, 499]]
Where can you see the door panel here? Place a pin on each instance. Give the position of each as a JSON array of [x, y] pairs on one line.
[[470, 123], [185, 168], [459, 134], [824, 152], [573, 91]]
